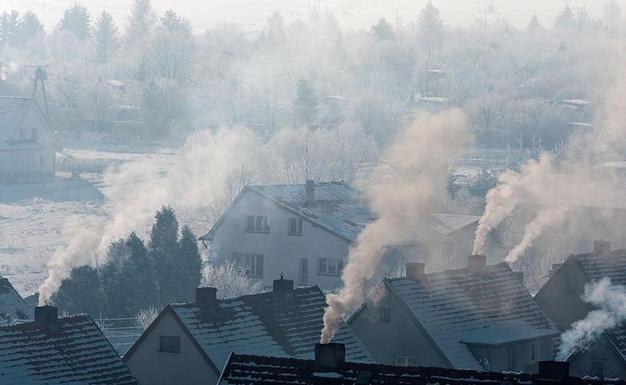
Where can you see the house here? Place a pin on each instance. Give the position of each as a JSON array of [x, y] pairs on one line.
[[28, 145], [561, 299], [480, 317], [190, 343], [305, 231], [59, 350], [329, 367], [12, 306]]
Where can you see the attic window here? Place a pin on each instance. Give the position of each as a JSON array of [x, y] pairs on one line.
[[169, 344], [256, 224], [295, 226]]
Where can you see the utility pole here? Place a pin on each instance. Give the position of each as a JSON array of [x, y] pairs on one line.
[[41, 75]]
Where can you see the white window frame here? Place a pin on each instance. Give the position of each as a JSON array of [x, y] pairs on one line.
[[298, 226], [331, 267], [533, 347], [406, 361], [259, 224]]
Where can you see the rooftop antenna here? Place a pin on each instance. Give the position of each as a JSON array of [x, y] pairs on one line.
[[41, 75]]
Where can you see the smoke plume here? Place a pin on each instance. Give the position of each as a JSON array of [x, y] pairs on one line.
[[420, 158], [611, 301]]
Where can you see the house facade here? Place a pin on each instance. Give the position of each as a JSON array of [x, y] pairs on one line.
[[189, 344], [28, 145], [306, 231], [480, 317], [561, 299]]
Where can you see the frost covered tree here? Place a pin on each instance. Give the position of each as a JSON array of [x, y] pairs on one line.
[[230, 280], [106, 36], [430, 29], [534, 25], [163, 249], [81, 293], [612, 16], [76, 20], [141, 22], [9, 27], [565, 19], [383, 30], [189, 265], [30, 27]]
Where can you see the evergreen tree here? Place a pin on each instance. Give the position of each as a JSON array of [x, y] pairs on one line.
[[189, 264], [81, 293], [141, 22], [305, 103], [110, 274], [105, 36], [534, 25], [162, 250], [76, 20], [430, 29], [139, 277], [383, 30], [565, 19], [171, 22], [29, 27], [9, 27]]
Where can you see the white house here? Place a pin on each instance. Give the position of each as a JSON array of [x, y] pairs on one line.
[[305, 232], [28, 145]]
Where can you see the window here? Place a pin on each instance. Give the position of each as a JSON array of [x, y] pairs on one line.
[[329, 266], [385, 313], [511, 358], [533, 351], [294, 226], [252, 264], [597, 368], [406, 361], [256, 224], [169, 344]]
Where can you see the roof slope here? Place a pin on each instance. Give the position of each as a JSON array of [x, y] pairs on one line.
[[488, 307], [78, 354], [266, 324], [13, 110], [248, 369], [341, 210], [12, 306]]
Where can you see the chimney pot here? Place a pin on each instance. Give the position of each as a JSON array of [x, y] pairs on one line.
[[415, 271], [554, 370], [476, 262], [47, 318], [206, 300], [309, 192], [330, 356], [601, 247]]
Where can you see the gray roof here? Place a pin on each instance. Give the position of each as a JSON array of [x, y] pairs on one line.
[[12, 306], [341, 210], [460, 307], [77, 354], [13, 110]]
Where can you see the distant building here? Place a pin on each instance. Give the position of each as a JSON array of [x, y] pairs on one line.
[[189, 344], [52, 350], [329, 367], [28, 145], [561, 299], [12, 307], [306, 230], [480, 317]]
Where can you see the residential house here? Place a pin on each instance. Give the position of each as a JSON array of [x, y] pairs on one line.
[[305, 231], [329, 367], [480, 317], [52, 350], [561, 299], [12, 307], [28, 145], [189, 344]]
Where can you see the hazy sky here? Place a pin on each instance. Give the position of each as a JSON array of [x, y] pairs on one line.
[[351, 13]]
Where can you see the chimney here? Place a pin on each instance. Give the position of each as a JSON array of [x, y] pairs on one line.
[[47, 318], [476, 263], [309, 192], [330, 356], [601, 247], [553, 370], [283, 287], [206, 300], [415, 271]]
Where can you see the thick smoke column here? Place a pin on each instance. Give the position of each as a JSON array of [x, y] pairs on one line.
[[197, 179], [611, 299], [420, 158]]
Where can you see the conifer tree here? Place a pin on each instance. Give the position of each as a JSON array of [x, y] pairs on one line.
[[81, 293], [140, 22], [430, 29], [305, 103], [162, 250], [76, 20], [138, 277], [9, 27], [189, 264], [105, 37], [30, 27]]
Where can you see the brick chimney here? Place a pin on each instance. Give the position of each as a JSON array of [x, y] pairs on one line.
[[601, 247], [309, 192], [476, 263], [47, 318], [330, 356], [283, 288], [206, 300], [553, 370], [415, 271]]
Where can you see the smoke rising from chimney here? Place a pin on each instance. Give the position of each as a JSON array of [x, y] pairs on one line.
[[420, 157], [611, 301]]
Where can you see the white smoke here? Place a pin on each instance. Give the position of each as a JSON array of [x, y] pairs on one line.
[[611, 301], [420, 158], [198, 179]]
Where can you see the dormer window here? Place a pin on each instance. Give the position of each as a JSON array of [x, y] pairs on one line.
[[256, 224]]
